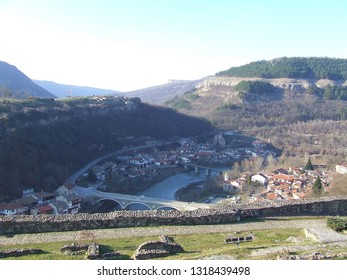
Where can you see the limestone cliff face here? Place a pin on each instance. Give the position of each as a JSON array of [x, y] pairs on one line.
[[285, 83]]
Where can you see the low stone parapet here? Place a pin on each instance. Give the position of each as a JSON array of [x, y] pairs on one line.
[[17, 252]]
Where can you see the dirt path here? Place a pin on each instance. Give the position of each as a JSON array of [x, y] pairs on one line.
[[316, 225]]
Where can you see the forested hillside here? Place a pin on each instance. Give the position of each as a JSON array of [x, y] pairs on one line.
[[43, 141], [294, 67], [272, 109]]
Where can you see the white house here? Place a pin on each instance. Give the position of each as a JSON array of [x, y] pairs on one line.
[[259, 178], [44, 197], [231, 186], [12, 208], [59, 207], [67, 188], [73, 202], [342, 169]]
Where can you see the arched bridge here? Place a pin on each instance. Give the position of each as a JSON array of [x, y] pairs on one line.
[[134, 202], [197, 167]]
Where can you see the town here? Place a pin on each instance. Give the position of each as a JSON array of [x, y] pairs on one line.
[[280, 184]]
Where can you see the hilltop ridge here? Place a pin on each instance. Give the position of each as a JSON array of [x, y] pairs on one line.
[[15, 84], [292, 67], [63, 90]]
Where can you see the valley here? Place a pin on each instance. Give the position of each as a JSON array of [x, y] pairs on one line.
[[235, 145]]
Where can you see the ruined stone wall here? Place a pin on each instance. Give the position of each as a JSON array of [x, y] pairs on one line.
[[218, 215], [323, 206], [71, 222]]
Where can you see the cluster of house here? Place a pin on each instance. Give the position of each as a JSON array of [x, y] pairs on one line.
[[63, 201], [189, 151], [144, 164], [281, 184], [141, 164]]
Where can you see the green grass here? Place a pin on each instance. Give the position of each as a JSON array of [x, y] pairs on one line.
[[195, 246]]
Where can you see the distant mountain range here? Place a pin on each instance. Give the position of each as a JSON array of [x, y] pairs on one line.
[[62, 90], [15, 84], [315, 70]]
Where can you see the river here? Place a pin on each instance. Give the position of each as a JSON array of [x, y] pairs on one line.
[[167, 188]]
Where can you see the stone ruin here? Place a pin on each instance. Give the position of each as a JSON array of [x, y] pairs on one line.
[[17, 252], [312, 256], [155, 249], [92, 250], [74, 249]]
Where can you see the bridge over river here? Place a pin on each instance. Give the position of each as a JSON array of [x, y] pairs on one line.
[[134, 202], [198, 167]]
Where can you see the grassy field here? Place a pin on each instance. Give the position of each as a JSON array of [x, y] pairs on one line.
[[195, 246]]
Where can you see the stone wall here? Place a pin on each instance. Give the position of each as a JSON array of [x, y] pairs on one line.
[[71, 222], [324, 206], [217, 215]]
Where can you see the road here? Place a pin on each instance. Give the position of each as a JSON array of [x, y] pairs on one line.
[[84, 169]]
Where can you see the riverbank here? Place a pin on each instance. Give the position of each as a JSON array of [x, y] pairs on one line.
[[167, 188], [132, 186]]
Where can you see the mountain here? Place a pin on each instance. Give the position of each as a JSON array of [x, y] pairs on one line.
[[43, 141], [62, 90], [292, 67], [250, 100], [15, 84], [161, 93]]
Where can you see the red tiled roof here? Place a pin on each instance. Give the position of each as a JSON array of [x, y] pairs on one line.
[[44, 209], [69, 186], [10, 206], [272, 196], [283, 177]]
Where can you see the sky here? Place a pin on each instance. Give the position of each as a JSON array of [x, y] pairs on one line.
[[127, 45]]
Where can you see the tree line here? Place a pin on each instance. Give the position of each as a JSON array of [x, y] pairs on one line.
[[294, 67]]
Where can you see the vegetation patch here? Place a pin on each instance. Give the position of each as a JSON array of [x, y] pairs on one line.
[[337, 223], [179, 103], [254, 87], [227, 106]]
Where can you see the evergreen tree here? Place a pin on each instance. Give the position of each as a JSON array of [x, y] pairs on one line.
[[317, 187], [309, 165], [92, 176]]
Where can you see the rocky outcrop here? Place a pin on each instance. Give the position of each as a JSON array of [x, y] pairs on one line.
[[284, 83]]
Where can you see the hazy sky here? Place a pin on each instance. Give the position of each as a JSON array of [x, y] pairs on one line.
[[126, 45]]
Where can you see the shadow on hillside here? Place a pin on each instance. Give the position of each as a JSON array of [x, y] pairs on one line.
[[277, 95]]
